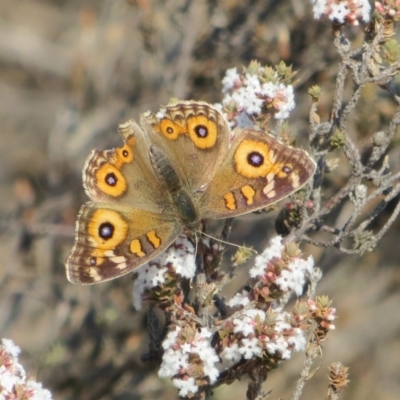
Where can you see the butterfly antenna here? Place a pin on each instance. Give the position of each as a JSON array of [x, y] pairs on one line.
[[229, 243]]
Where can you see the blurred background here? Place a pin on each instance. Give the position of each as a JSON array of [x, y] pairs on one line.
[[70, 72]]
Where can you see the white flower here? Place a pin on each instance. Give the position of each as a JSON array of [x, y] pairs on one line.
[[250, 348], [274, 250], [339, 12], [185, 387], [12, 374], [179, 255], [230, 79], [342, 11], [253, 83], [293, 278], [286, 339], [285, 102], [149, 275], [268, 89], [246, 321], [10, 348], [279, 345], [318, 8], [176, 357], [240, 299], [171, 338], [172, 362], [38, 392], [297, 340], [8, 379], [232, 353]]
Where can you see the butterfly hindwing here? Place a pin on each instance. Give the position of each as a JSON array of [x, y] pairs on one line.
[[112, 241]]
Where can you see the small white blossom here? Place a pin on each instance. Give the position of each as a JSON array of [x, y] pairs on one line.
[[268, 89], [186, 387], [247, 321], [297, 340], [231, 353], [247, 95], [284, 101], [175, 361], [12, 374], [38, 392], [250, 348], [342, 11], [273, 250], [230, 79], [148, 276], [240, 299], [10, 348], [293, 278], [180, 256], [339, 12], [170, 340]]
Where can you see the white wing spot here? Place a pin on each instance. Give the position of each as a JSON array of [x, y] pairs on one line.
[[295, 180], [94, 274], [270, 177], [269, 188], [121, 266]]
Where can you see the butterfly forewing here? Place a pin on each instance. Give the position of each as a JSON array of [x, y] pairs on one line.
[[195, 138]]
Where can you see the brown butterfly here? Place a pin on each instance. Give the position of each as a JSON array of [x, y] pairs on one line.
[[174, 170]]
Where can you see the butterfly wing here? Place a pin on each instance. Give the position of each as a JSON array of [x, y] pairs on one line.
[[195, 138], [124, 175], [258, 171], [113, 240], [130, 220]]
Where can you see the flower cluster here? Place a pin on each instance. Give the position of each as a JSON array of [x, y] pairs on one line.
[[323, 315], [281, 269], [255, 333], [13, 381], [189, 359], [342, 11], [388, 9], [257, 91], [255, 328], [159, 277]]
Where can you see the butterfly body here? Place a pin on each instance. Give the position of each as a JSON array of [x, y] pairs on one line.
[[179, 167]]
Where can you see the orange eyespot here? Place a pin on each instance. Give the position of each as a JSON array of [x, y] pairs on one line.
[[202, 131], [170, 129], [107, 229], [125, 154], [253, 159], [111, 181]]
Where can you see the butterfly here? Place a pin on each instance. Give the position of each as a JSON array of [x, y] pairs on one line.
[[176, 168]]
